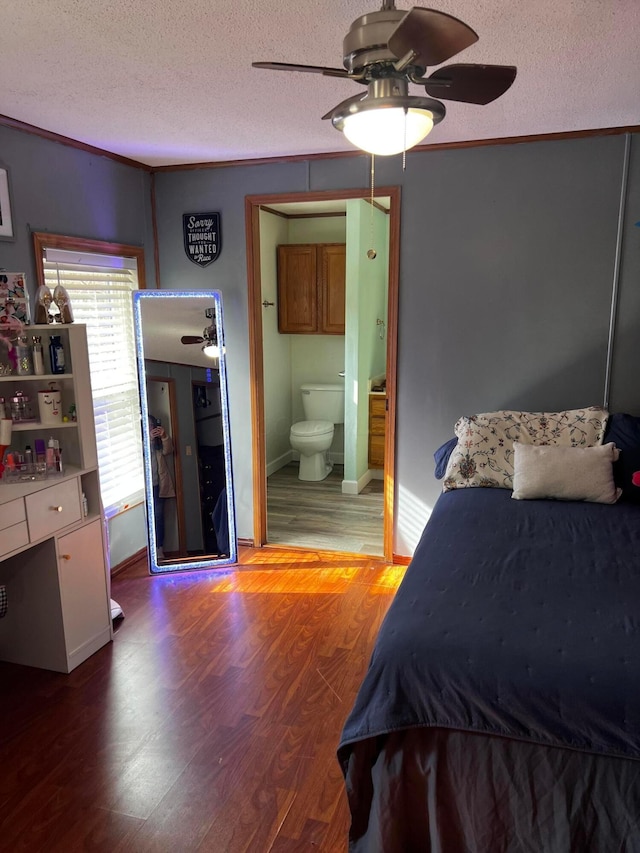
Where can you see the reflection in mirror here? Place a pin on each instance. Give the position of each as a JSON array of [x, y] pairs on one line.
[[185, 427]]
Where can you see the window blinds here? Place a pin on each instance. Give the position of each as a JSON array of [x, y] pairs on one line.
[[100, 287]]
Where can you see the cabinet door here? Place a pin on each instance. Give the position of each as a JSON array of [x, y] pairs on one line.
[[83, 586], [331, 271], [297, 298]]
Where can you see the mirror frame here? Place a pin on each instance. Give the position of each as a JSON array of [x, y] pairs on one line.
[[184, 564]]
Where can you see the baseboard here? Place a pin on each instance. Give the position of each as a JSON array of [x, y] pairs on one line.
[[377, 473], [279, 463], [354, 487], [245, 543], [130, 561], [399, 560]]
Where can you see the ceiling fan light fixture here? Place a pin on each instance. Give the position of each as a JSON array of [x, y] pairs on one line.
[[386, 126], [388, 131], [211, 349]]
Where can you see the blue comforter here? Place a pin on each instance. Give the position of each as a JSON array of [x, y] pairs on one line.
[[515, 618]]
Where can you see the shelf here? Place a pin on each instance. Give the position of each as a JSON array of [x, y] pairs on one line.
[[12, 491], [45, 377], [25, 426]]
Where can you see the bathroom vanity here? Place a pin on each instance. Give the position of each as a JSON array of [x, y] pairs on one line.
[[52, 550], [377, 428]]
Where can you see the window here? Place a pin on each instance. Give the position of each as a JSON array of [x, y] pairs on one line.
[[100, 285]]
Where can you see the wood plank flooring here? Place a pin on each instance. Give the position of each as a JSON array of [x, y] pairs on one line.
[[209, 724], [318, 515]]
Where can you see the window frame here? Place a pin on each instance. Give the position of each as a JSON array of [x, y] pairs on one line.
[[44, 240]]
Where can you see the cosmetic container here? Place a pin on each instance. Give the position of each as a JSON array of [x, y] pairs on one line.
[[56, 353], [23, 357], [38, 356]]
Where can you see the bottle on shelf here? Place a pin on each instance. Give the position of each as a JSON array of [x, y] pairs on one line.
[[38, 356], [56, 353], [23, 357]]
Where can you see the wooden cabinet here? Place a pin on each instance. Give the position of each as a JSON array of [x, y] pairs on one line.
[[52, 555], [311, 288], [377, 429]]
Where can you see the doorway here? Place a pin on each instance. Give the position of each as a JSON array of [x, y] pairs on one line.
[[253, 206], [161, 396]]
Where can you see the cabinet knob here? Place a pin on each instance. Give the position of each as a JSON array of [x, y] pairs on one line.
[[65, 556], [56, 508]]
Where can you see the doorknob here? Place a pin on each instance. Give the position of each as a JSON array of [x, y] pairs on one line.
[[266, 304]]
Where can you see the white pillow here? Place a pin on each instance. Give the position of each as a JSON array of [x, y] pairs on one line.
[[484, 453], [565, 473]]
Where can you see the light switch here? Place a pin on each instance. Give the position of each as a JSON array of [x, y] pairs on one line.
[[187, 449]]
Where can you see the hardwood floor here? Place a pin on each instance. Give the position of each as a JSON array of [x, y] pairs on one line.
[[318, 515], [209, 724]]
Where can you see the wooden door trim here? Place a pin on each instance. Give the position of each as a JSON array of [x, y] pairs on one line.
[[256, 366]]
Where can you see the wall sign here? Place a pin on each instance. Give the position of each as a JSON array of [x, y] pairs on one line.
[[202, 237]]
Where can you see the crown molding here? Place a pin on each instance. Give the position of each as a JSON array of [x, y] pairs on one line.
[[7, 121]]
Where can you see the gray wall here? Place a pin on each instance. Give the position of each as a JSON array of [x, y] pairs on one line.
[[63, 190], [507, 263]]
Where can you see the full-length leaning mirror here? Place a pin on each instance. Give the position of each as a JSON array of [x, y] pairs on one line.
[[185, 428]]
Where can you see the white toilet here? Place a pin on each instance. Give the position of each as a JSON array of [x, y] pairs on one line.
[[323, 407]]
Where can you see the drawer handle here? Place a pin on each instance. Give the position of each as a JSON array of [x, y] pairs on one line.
[[55, 508], [65, 556]]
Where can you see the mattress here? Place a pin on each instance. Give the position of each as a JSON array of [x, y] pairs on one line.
[[501, 711], [515, 618]]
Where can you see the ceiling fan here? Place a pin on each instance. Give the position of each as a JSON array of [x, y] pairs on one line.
[[387, 50], [209, 337]]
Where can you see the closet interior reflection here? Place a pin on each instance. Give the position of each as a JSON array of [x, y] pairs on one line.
[[185, 427]]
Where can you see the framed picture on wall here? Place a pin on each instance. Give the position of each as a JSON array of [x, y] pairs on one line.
[[6, 224]]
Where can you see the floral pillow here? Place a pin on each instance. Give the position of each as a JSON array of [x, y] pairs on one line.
[[484, 453]]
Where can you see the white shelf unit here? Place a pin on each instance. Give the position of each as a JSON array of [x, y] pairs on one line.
[[52, 557]]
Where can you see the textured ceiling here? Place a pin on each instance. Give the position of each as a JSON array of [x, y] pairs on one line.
[[167, 83]]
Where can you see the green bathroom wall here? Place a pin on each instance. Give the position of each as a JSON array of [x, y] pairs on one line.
[[365, 349]]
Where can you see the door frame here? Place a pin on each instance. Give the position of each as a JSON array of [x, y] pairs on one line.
[[177, 464], [256, 366]]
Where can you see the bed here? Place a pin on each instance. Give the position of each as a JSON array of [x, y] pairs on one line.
[[501, 709]]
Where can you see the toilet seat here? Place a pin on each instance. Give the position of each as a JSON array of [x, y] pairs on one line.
[[311, 429]]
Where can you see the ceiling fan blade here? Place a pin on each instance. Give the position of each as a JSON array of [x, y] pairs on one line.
[[311, 69], [473, 84], [354, 99], [432, 36], [191, 339]]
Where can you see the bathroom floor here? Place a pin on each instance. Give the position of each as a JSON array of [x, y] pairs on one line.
[[318, 515]]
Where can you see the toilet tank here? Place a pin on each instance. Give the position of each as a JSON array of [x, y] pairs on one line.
[[323, 402]]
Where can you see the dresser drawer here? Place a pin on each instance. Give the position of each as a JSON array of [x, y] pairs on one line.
[[52, 509], [11, 513], [13, 537]]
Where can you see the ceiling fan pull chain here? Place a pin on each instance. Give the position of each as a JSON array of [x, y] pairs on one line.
[[371, 253], [404, 146]]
